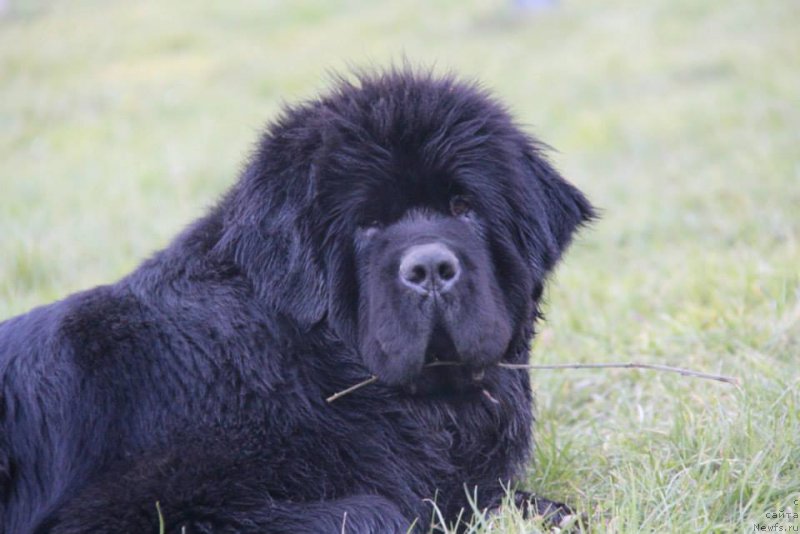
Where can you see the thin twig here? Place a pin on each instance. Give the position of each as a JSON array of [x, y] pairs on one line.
[[442, 363], [352, 388], [629, 365], [489, 396], [373, 378]]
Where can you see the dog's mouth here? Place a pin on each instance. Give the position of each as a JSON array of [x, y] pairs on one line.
[[444, 375]]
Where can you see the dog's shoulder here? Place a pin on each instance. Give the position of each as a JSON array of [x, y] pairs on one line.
[[84, 329], [101, 324]]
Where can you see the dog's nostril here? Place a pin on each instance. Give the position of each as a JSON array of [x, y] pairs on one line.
[[446, 270], [417, 275], [429, 267]]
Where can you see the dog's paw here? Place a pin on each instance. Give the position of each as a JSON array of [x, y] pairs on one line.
[[556, 515]]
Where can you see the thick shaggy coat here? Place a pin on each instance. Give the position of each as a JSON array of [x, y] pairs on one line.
[[401, 220]]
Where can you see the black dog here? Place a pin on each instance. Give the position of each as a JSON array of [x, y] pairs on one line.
[[402, 220]]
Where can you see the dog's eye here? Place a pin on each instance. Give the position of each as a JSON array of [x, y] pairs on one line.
[[459, 206], [370, 227]]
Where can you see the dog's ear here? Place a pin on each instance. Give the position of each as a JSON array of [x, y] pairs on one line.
[[556, 209], [267, 227], [343, 291], [289, 247]]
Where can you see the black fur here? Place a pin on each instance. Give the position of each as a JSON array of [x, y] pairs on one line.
[[199, 381]]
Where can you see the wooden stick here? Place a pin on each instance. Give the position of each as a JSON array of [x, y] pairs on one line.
[[489, 396], [373, 378], [352, 388], [628, 365], [616, 365]]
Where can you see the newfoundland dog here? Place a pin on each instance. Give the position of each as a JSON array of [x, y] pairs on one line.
[[400, 227]]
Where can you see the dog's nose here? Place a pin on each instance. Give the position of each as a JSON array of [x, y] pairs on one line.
[[429, 267]]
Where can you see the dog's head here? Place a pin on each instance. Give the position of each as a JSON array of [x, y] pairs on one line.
[[411, 214]]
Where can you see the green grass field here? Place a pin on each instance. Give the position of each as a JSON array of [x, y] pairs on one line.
[[121, 121]]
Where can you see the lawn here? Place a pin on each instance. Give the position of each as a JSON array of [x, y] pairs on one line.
[[121, 121]]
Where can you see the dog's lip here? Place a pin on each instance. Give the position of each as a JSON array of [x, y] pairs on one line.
[[446, 380], [476, 374]]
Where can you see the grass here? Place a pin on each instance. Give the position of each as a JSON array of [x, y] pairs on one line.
[[120, 122]]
